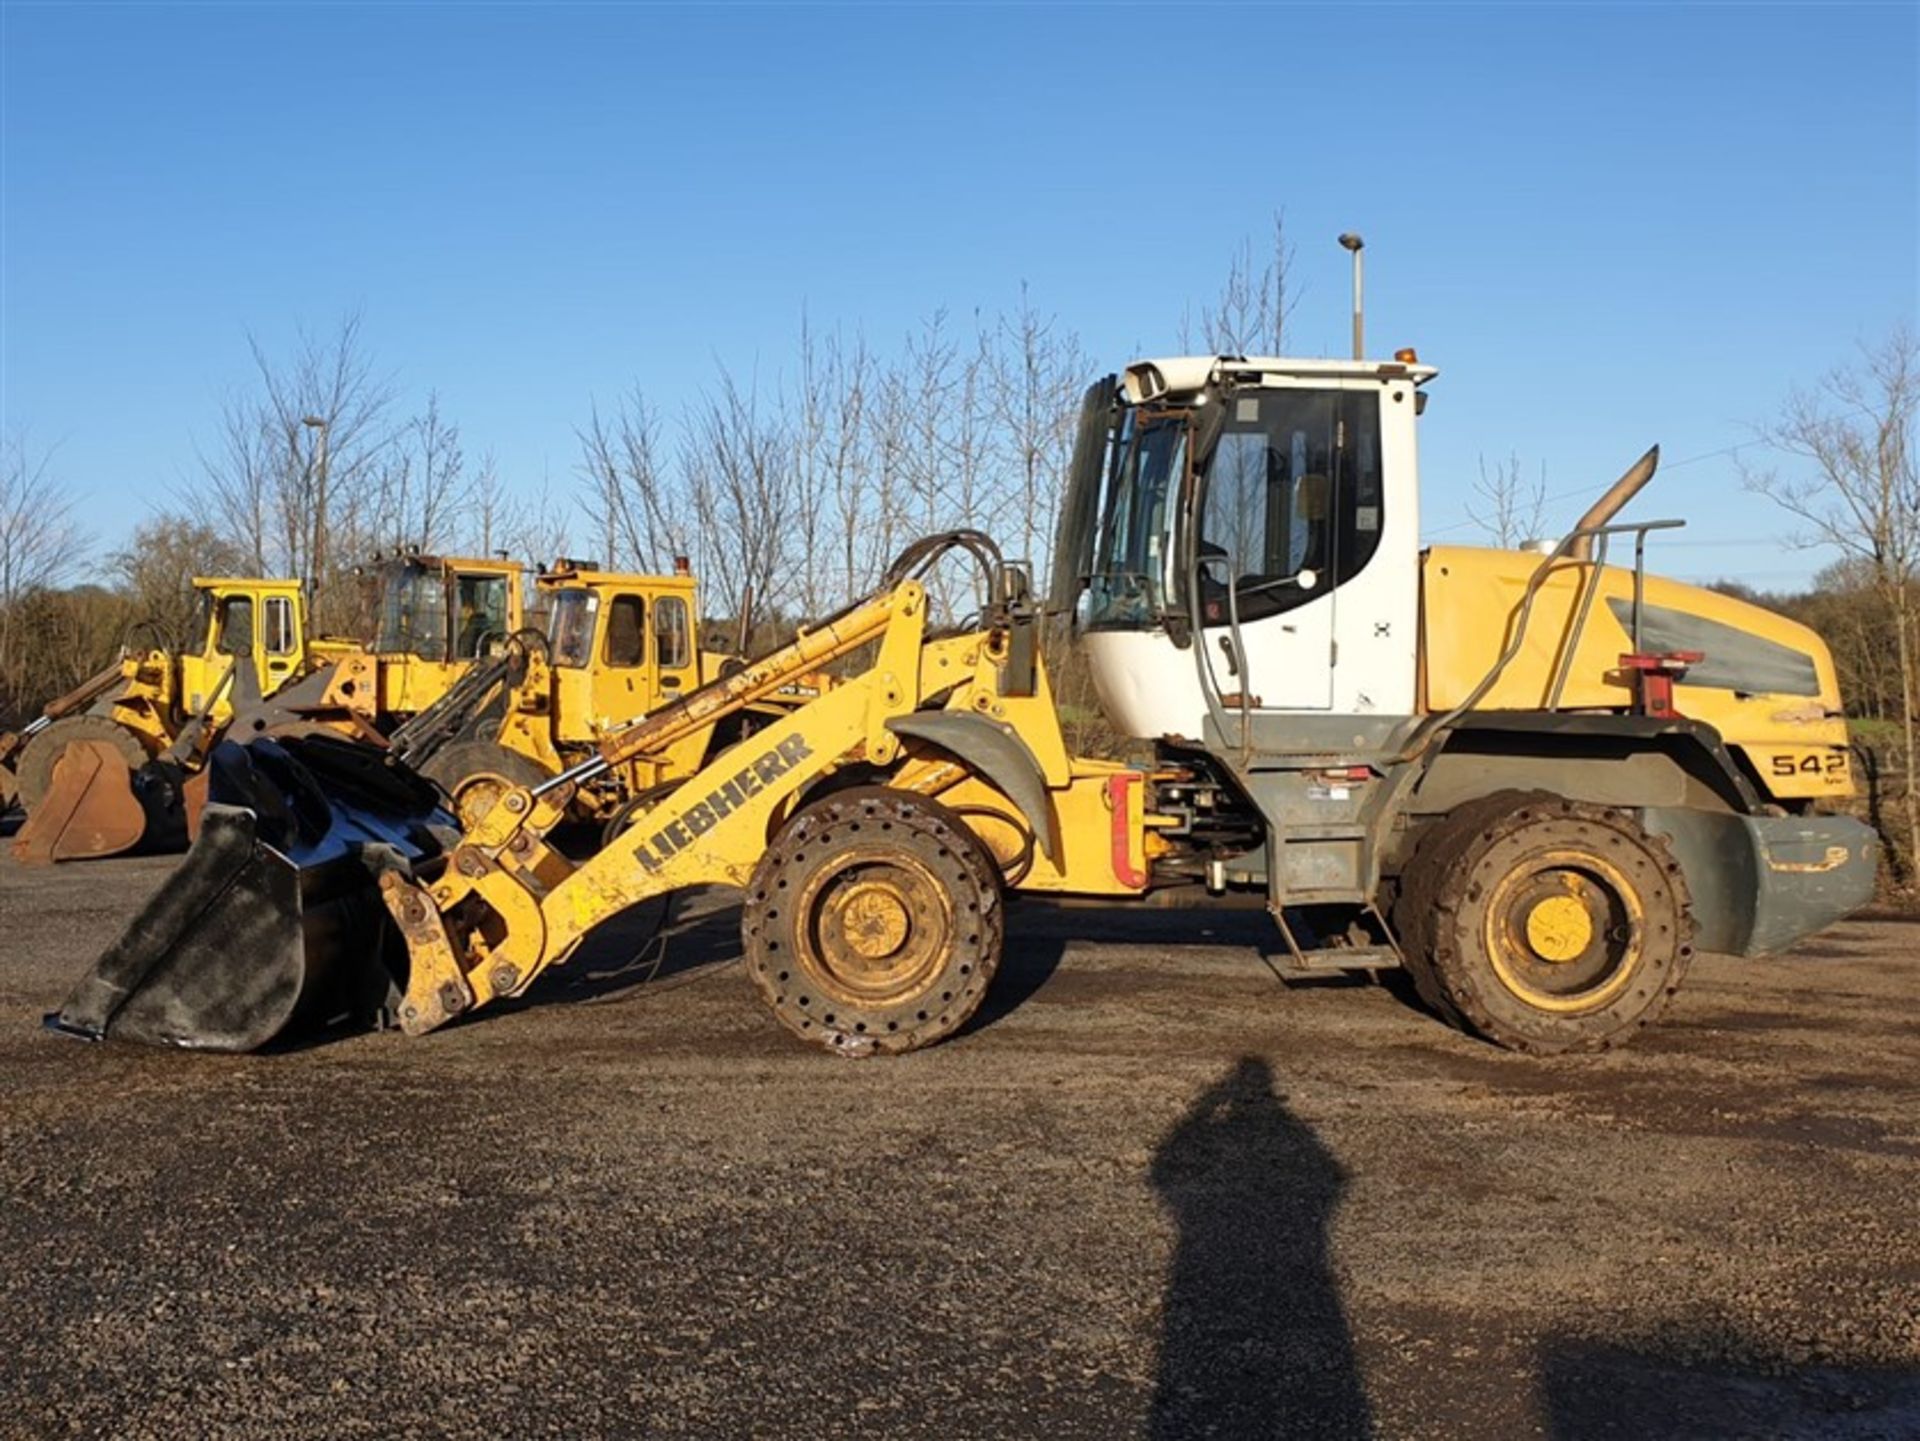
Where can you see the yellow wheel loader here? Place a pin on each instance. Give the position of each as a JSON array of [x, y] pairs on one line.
[[100, 770], [616, 646], [1536, 782]]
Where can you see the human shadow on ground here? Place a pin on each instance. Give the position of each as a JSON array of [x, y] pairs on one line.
[[1706, 1381], [1254, 1337]]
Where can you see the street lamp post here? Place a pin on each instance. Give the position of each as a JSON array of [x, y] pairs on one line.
[[317, 547], [1354, 244]]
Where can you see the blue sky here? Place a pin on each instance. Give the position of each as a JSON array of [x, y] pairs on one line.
[[1608, 225]]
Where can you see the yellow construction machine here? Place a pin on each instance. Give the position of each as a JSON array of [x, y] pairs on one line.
[[616, 646], [104, 768], [1536, 782], [101, 767]]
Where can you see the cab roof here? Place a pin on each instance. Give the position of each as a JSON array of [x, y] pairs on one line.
[[1178, 375], [580, 575], [242, 582]]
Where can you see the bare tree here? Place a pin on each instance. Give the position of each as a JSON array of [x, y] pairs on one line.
[[1038, 375], [736, 457], [263, 479], [157, 567], [1855, 486], [638, 516], [1513, 508], [488, 505], [853, 490], [535, 528], [39, 542], [1249, 316], [421, 484]]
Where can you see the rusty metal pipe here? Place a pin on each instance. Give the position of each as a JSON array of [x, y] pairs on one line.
[[1612, 502]]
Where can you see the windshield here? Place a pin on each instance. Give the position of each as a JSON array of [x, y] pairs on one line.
[[1130, 561], [1080, 509], [200, 638], [570, 628], [413, 614]]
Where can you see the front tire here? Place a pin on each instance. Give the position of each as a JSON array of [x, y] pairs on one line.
[[1555, 926], [475, 774], [873, 924]]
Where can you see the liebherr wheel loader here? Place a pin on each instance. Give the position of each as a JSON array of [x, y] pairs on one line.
[[1537, 783]]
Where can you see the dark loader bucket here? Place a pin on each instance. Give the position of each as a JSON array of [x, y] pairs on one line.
[[273, 927]]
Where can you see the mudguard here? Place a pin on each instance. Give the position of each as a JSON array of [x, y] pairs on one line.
[[997, 753]]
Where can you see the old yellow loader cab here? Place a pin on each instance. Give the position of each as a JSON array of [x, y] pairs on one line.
[[254, 628], [437, 615], [621, 644]]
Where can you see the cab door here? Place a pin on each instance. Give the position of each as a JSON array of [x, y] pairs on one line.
[[624, 685], [279, 649], [675, 658], [230, 644], [1291, 518]]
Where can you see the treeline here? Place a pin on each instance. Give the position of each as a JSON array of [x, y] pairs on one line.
[[788, 486]]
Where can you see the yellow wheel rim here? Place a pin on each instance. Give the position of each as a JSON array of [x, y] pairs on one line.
[[1565, 931], [877, 928]]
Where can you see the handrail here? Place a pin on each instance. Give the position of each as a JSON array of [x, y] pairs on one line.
[[1210, 690]]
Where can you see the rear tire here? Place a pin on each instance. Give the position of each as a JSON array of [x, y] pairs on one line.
[[873, 924], [475, 774], [1552, 925], [1420, 883]]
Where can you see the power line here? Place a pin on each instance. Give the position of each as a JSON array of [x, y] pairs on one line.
[[1675, 465]]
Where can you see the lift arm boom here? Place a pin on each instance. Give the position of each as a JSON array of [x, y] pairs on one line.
[[507, 904]]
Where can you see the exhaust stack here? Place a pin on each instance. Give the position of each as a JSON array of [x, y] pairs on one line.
[[1613, 501]]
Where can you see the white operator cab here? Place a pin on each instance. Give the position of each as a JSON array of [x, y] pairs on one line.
[[1248, 527]]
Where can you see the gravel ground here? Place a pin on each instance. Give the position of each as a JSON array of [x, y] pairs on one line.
[[1152, 1191]]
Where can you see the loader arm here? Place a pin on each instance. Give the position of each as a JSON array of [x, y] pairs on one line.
[[506, 904]]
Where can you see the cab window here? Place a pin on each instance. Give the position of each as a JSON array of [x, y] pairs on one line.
[[413, 616], [571, 628], [626, 631], [277, 617], [236, 626], [480, 602], [671, 633], [1293, 485]]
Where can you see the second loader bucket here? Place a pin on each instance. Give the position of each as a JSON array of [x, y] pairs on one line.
[[89, 809], [273, 925]]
